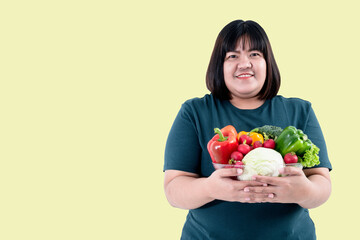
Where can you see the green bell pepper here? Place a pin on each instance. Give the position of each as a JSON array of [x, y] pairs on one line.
[[295, 140], [292, 140]]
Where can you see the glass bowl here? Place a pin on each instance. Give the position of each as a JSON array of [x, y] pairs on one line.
[[248, 172]]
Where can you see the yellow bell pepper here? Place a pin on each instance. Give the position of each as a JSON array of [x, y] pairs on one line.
[[254, 136]]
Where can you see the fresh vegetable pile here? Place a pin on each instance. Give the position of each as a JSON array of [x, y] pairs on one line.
[[261, 148]]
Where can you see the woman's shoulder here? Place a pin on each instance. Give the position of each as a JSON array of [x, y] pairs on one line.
[[200, 102], [292, 101], [196, 108], [295, 110]]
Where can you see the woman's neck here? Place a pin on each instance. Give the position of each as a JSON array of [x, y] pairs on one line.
[[246, 103]]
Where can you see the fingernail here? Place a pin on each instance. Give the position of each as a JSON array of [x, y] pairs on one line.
[[253, 178], [265, 185], [247, 199], [239, 171], [246, 189], [271, 195], [281, 170]]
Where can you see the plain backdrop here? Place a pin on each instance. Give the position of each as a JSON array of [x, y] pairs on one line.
[[89, 91]]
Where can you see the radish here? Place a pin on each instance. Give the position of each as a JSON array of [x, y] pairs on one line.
[[245, 139], [239, 164], [257, 144], [237, 156], [244, 148], [270, 143], [290, 158]]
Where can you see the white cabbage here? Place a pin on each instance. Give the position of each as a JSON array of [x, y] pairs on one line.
[[261, 161]]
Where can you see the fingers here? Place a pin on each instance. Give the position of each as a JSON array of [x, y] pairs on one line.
[[286, 171], [229, 172], [291, 171], [260, 189], [264, 190], [259, 197], [266, 180], [252, 183], [233, 172], [259, 194]]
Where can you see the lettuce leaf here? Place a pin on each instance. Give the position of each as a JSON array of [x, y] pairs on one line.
[[310, 157]]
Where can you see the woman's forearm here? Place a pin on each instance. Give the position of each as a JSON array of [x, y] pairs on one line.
[[318, 193], [187, 192]]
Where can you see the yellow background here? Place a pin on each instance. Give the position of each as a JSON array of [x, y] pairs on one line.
[[89, 90]]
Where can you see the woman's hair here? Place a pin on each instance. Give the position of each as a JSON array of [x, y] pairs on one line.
[[254, 34]]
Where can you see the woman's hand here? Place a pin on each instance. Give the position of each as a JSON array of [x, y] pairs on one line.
[[292, 188], [220, 185], [189, 191], [308, 190]]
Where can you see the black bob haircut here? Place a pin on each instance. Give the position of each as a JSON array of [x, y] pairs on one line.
[[254, 34]]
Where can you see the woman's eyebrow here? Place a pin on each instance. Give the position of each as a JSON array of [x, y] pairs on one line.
[[249, 49]]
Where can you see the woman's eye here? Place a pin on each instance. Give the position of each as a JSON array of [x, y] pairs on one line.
[[232, 56], [255, 54]]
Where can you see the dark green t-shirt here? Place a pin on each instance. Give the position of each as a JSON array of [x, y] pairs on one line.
[[186, 150]]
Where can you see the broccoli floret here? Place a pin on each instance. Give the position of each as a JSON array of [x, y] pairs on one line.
[[268, 131]]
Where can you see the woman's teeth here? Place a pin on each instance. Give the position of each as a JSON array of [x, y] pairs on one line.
[[244, 75]]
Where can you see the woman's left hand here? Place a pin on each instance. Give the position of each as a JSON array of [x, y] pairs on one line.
[[292, 188]]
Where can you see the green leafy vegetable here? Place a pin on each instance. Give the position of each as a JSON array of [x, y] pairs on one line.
[[268, 131], [310, 157]]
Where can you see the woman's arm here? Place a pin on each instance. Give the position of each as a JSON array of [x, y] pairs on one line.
[[321, 190], [185, 190], [189, 191], [309, 188]]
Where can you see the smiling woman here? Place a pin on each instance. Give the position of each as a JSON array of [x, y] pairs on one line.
[[244, 80], [236, 43]]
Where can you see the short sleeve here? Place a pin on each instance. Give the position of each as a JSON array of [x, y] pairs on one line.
[[183, 150], [314, 133]]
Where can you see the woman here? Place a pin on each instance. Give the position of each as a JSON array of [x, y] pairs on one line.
[[244, 80]]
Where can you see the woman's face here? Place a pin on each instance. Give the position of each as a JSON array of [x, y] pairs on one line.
[[244, 71]]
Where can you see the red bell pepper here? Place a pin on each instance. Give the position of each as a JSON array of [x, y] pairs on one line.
[[223, 144]]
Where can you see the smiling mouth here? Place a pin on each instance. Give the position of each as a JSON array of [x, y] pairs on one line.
[[244, 75]]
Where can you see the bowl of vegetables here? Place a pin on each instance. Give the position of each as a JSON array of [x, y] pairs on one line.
[[260, 161], [262, 151]]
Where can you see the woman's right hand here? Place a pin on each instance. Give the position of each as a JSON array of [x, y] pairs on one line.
[[221, 185], [189, 191]]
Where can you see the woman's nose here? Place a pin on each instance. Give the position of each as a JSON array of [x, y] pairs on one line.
[[244, 63]]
